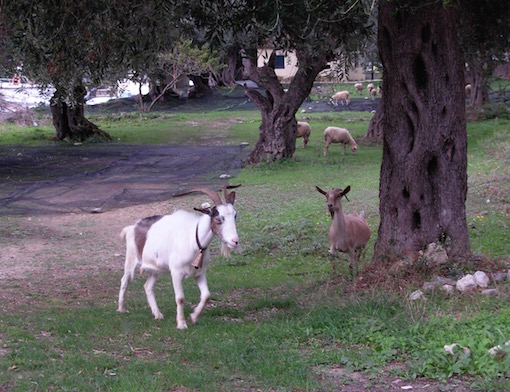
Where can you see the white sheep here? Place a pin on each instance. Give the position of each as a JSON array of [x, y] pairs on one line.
[[303, 130], [179, 244], [342, 96], [373, 93], [358, 87], [468, 90], [347, 233], [338, 135], [370, 87]]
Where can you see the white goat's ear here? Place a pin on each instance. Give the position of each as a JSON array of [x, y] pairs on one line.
[[230, 198], [207, 211]]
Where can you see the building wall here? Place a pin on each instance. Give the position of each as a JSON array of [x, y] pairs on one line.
[[286, 67]]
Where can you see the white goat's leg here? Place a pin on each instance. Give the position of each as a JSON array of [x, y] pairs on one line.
[[151, 299], [201, 281], [129, 270], [123, 286], [179, 301]]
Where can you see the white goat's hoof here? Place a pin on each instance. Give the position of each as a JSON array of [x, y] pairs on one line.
[[193, 319], [182, 325], [158, 316]]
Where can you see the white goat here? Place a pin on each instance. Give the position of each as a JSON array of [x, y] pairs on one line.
[[348, 233], [339, 135], [342, 96], [303, 130], [179, 244]]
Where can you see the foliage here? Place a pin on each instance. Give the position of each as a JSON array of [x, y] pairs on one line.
[[183, 59], [64, 44]]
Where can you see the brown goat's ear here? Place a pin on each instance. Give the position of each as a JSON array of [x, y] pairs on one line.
[[230, 198], [346, 191], [320, 190]]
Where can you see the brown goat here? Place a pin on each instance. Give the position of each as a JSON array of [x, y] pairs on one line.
[[348, 233]]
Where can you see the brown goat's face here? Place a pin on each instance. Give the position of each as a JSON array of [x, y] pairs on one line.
[[333, 198]]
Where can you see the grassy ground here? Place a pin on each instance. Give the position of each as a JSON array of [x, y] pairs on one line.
[[280, 319]]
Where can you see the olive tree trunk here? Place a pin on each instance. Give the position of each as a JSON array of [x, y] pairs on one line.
[[277, 131], [423, 179], [69, 120]]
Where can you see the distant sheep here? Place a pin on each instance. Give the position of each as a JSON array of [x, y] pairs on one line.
[[358, 87], [468, 90], [303, 130], [338, 135], [373, 93], [342, 96], [370, 87]]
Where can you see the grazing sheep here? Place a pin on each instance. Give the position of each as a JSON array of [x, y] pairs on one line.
[[338, 135], [347, 233], [179, 244], [303, 130], [370, 87], [358, 87], [342, 96], [468, 90], [379, 90], [373, 93]]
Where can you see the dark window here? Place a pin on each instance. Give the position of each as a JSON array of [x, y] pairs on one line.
[[279, 61]]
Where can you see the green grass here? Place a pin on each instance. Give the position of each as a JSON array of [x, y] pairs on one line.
[[278, 314]]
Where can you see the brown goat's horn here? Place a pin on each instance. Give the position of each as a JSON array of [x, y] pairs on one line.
[[209, 192]]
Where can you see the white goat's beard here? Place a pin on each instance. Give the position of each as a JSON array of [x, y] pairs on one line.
[[225, 250]]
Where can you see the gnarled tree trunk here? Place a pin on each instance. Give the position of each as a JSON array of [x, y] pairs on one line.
[[277, 132], [375, 127], [423, 183], [70, 122]]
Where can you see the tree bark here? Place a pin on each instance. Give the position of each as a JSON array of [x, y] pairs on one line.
[[423, 180], [479, 94], [375, 128], [69, 120], [277, 131]]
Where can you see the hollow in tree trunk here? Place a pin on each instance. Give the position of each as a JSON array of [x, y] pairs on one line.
[[69, 120], [423, 180]]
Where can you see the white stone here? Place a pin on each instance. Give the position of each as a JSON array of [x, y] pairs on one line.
[[416, 295], [496, 349], [490, 292], [447, 288], [481, 278], [466, 283], [448, 348], [225, 176]]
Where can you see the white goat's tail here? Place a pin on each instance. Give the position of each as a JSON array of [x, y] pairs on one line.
[[123, 234], [128, 235]]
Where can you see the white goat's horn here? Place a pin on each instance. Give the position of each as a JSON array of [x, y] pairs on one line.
[[209, 192]]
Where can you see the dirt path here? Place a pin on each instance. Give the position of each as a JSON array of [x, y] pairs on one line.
[[99, 177]]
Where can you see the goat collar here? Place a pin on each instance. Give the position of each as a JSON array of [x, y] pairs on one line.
[[198, 241], [197, 262]]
